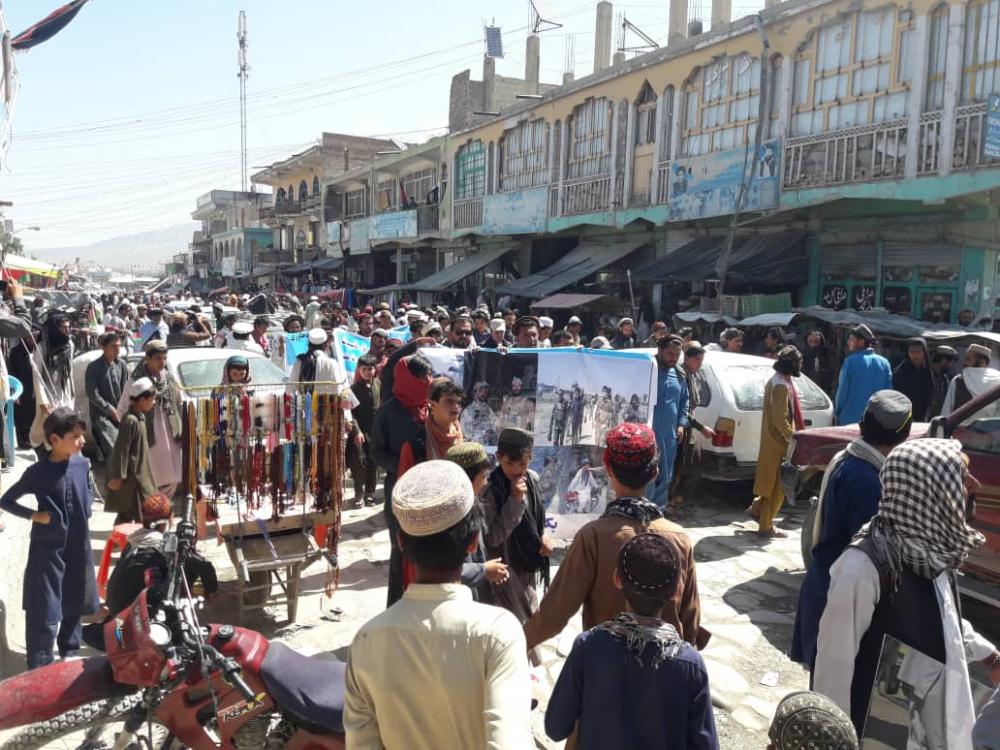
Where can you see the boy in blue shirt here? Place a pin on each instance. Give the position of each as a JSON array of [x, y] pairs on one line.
[[632, 681], [59, 582]]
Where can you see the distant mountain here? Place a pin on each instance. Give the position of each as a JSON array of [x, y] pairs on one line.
[[144, 249]]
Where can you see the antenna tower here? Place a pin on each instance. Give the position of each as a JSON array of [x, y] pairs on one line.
[[241, 35]]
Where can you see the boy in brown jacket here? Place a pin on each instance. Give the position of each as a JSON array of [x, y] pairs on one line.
[[585, 576]]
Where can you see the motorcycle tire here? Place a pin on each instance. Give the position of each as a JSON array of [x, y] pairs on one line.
[[88, 718]]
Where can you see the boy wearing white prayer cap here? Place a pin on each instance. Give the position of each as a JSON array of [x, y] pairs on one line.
[[437, 653]]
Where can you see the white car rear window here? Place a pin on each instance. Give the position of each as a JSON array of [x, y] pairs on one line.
[[748, 381], [207, 373]]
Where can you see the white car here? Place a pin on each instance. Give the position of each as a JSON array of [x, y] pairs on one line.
[[194, 367], [732, 404]]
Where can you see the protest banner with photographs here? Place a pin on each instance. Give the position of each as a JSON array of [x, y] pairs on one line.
[[909, 705], [569, 399]]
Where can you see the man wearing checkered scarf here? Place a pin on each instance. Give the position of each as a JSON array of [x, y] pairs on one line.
[[898, 580]]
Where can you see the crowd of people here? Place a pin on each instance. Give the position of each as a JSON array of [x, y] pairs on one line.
[[470, 590]]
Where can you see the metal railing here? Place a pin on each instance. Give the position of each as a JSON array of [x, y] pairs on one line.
[[861, 154], [929, 148], [663, 182], [970, 128], [586, 195], [468, 213], [427, 218]]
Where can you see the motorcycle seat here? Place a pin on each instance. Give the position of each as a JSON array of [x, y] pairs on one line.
[[311, 690]]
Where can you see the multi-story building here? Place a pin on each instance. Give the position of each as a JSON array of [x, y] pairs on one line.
[[231, 241], [830, 148], [296, 218]]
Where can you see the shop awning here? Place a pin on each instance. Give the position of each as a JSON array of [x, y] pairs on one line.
[[446, 277], [299, 269], [585, 259], [566, 301], [777, 258], [694, 261], [768, 259], [327, 264], [261, 271]]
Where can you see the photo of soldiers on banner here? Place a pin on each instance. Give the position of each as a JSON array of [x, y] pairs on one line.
[[572, 479], [578, 402], [500, 392]]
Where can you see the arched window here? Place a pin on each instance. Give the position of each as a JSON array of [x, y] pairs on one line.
[[720, 105], [667, 123], [470, 170], [937, 57], [645, 116], [590, 139], [981, 62], [303, 191], [844, 73], [316, 185], [291, 193], [281, 196], [523, 156]]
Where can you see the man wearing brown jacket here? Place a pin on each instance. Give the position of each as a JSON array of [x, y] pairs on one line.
[[585, 576]]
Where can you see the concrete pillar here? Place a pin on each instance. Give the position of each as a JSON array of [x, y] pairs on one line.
[[629, 155], [613, 170], [489, 83], [677, 21], [722, 12], [918, 87], [532, 61], [784, 98], [603, 36], [675, 128], [654, 180], [952, 87], [564, 147]]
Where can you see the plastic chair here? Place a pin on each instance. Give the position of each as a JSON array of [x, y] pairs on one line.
[[118, 540], [10, 442]]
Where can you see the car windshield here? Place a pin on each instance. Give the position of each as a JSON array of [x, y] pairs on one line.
[[207, 373], [748, 381]]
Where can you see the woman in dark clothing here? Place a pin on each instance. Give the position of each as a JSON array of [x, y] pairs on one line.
[[396, 423], [816, 361], [19, 365]]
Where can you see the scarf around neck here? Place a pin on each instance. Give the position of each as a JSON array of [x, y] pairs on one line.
[[635, 508], [410, 390], [166, 401], [638, 631], [920, 522], [857, 448], [440, 440]]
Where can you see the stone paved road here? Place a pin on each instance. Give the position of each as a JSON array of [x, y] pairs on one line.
[[748, 591]]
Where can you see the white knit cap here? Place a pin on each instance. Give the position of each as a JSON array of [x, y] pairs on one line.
[[545, 322], [432, 497], [318, 337], [140, 386]]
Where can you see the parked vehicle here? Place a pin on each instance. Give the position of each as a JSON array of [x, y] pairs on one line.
[[976, 425], [732, 402], [186, 685], [194, 367]]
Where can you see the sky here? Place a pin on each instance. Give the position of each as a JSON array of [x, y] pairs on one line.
[[132, 111]]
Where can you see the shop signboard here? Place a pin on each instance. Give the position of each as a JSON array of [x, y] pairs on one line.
[[393, 226], [229, 265], [709, 185], [357, 238], [991, 144], [520, 212]]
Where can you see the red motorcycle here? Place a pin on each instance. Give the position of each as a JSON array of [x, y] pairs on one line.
[[168, 682]]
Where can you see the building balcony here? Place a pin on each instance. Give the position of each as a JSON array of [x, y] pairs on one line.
[[428, 218], [468, 213]]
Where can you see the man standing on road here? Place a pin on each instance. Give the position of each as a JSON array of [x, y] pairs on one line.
[[105, 382], [585, 575], [688, 464], [942, 360], [670, 415], [976, 378], [899, 579], [849, 497], [437, 670], [913, 378], [780, 418], [864, 371]]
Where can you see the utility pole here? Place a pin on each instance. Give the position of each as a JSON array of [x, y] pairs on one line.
[[241, 35]]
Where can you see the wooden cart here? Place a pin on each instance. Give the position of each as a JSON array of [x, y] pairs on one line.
[[269, 556]]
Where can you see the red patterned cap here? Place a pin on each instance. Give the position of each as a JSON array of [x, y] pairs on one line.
[[630, 444], [156, 508]]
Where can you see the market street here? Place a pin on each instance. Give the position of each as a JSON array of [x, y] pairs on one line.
[[748, 592]]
